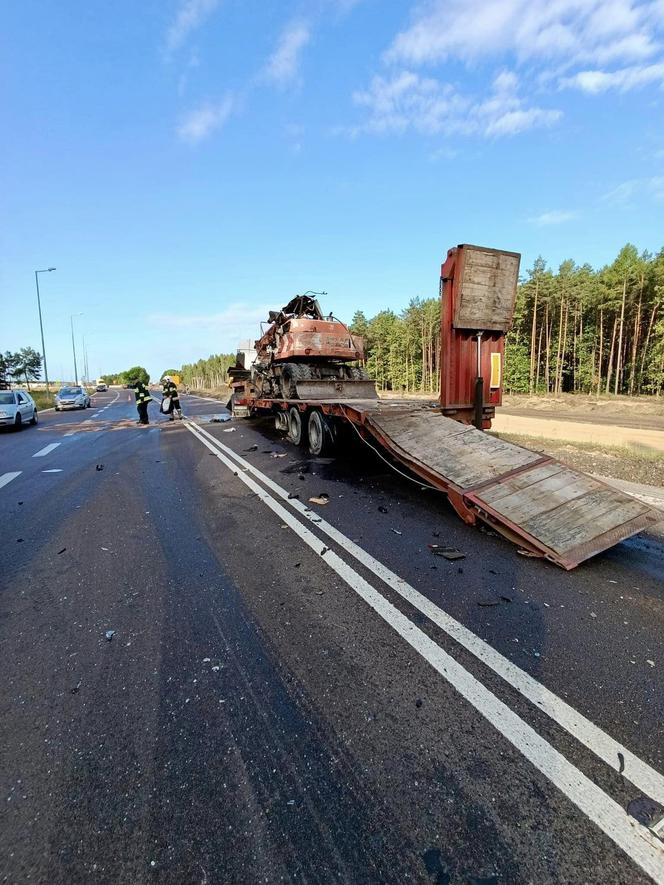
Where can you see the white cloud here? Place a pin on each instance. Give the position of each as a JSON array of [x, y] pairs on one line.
[[407, 101], [652, 187], [572, 30], [622, 80], [190, 16], [283, 64], [202, 121], [555, 216]]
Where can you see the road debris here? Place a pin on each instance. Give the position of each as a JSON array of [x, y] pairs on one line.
[[382, 509], [220, 419], [451, 553], [75, 689], [19, 540], [292, 495], [650, 663], [397, 532], [99, 467], [109, 635], [277, 454], [529, 553], [252, 449], [229, 430], [320, 499], [61, 551]]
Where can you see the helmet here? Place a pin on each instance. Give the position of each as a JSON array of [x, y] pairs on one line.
[[167, 378]]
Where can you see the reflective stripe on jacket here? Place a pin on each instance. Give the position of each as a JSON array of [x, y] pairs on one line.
[[142, 394]]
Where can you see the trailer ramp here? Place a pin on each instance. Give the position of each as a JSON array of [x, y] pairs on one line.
[[549, 509]]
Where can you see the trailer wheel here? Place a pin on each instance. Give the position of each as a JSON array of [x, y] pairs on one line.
[[296, 430], [321, 435]]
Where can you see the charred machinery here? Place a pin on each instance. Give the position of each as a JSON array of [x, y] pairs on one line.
[[305, 355]]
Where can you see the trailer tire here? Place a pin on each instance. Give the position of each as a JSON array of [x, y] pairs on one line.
[[321, 434], [296, 430]]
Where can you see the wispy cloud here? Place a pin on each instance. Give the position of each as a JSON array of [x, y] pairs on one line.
[[621, 80], [554, 216], [625, 192], [407, 101], [283, 65], [218, 331], [578, 30], [204, 120], [190, 15]]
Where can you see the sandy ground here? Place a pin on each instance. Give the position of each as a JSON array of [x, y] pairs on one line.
[[641, 439]]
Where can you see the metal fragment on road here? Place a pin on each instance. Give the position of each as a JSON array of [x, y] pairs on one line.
[[451, 553], [219, 419], [319, 499], [109, 635]]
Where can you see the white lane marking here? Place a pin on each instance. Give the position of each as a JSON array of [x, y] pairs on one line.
[[53, 470], [642, 775], [96, 415], [644, 848], [49, 448], [6, 478]]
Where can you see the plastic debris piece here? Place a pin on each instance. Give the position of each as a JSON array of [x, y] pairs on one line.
[[650, 663], [220, 419], [645, 810], [206, 660], [109, 634], [324, 551], [451, 553], [99, 467], [216, 668], [278, 454], [486, 603], [292, 495], [61, 551], [252, 449], [397, 532], [229, 430], [319, 500], [105, 548]]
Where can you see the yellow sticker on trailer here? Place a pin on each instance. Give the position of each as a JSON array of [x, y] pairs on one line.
[[495, 371]]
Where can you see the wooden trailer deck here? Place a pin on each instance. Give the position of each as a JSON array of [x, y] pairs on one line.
[[548, 508]]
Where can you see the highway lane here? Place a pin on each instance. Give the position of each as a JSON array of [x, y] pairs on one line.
[[254, 719]]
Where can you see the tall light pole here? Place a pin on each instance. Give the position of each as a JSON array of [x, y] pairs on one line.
[[41, 326], [73, 343]]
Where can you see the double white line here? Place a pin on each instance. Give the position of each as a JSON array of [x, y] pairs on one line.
[[641, 844]]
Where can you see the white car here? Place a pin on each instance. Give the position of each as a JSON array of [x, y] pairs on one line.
[[17, 408], [71, 398]]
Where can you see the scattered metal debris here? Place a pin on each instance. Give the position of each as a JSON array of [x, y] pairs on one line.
[[220, 419], [109, 635]]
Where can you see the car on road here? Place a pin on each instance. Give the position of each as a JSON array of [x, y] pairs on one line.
[[71, 398], [17, 408], [101, 388]]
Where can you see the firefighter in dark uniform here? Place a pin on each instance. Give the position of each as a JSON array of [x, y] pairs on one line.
[[142, 399], [170, 390]]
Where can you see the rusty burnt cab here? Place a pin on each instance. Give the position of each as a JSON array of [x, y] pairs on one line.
[[478, 293]]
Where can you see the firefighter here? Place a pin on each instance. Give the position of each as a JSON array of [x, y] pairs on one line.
[[170, 390], [142, 399]]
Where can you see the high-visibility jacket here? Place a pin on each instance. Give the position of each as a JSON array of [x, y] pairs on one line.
[[142, 393], [170, 389]]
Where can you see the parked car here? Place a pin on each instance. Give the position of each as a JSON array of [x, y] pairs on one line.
[[17, 408], [101, 387], [71, 398]]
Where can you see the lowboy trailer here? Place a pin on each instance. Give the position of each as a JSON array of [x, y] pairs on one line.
[[547, 508]]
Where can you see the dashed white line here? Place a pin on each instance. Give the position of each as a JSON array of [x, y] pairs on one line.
[[45, 451], [6, 478]]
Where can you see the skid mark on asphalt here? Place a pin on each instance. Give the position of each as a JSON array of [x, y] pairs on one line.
[[636, 840]]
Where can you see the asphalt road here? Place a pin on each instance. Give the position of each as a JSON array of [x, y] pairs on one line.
[[306, 695]]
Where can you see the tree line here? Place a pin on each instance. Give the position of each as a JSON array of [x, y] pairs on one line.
[[23, 365], [209, 373], [575, 330]]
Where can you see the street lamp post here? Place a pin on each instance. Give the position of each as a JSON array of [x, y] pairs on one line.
[[41, 325], [73, 343]]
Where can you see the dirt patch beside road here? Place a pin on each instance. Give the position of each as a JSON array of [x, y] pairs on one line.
[[615, 461]]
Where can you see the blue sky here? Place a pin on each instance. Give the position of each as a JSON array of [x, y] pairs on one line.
[[188, 164]]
